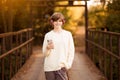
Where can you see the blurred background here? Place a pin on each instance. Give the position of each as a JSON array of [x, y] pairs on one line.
[[19, 14]]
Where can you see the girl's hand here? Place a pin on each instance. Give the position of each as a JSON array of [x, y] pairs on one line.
[[50, 45]]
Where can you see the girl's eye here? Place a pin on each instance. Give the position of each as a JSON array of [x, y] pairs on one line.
[[60, 20]]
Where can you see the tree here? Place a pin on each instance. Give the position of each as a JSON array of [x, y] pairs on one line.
[[97, 16], [3, 23], [15, 15], [113, 16]]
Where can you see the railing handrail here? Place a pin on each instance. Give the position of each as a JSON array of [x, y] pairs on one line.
[[103, 48], [14, 33], [105, 32], [15, 49]]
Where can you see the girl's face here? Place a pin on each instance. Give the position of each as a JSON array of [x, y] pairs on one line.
[[58, 23]]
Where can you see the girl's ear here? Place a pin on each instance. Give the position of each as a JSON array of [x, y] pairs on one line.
[[51, 22]]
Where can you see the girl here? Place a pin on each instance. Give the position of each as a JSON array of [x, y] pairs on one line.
[[58, 48]]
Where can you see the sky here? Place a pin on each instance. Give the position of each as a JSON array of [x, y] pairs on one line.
[[93, 3]]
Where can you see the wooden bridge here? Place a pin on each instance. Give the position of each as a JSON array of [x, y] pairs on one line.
[[97, 59], [24, 62]]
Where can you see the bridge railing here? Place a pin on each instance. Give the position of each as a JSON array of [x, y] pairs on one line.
[[15, 49], [104, 49]]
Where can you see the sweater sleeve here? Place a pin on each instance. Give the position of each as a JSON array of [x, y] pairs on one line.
[[71, 51], [44, 44]]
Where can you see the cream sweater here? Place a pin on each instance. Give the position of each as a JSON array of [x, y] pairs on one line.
[[63, 53]]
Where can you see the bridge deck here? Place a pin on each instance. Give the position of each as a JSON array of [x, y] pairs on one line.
[[83, 68]]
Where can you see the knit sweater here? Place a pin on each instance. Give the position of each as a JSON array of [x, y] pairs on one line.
[[63, 53]]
